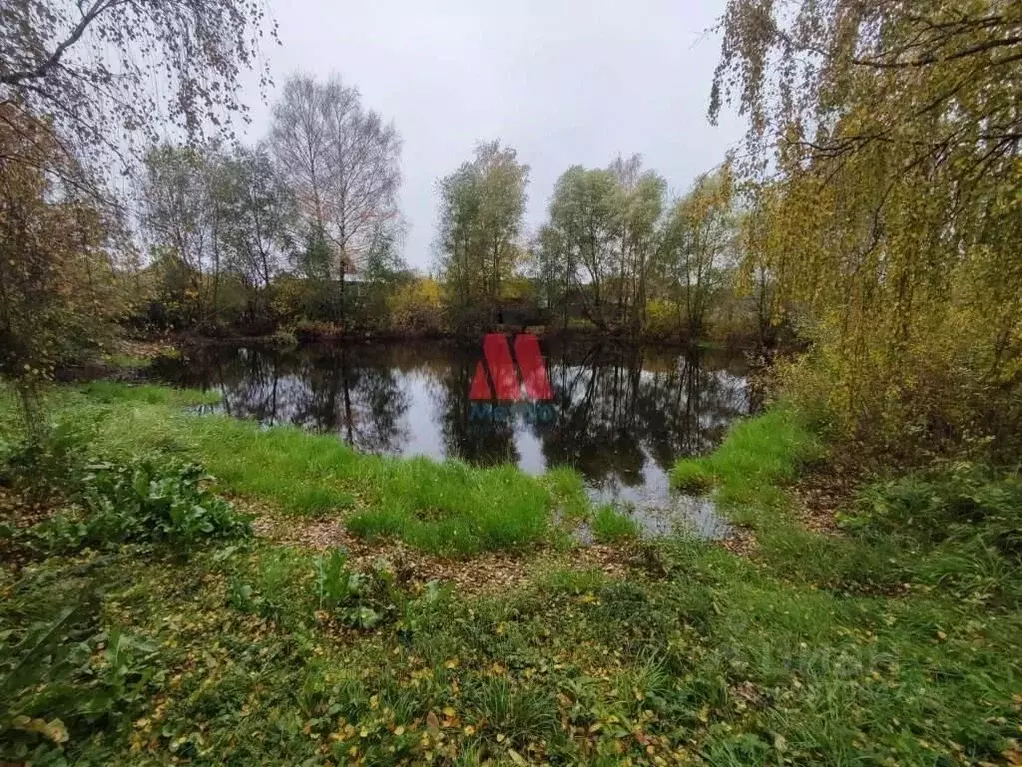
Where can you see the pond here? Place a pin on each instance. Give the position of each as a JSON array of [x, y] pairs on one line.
[[620, 415]]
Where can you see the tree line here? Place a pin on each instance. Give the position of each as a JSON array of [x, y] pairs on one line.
[[303, 230], [257, 236], [616, 253], [299, 233]]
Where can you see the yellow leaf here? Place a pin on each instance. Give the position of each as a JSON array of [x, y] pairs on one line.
[[53, 730], [1013, 755]]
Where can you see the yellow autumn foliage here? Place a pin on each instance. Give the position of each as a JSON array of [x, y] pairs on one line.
[[883, 186], [417, 306]]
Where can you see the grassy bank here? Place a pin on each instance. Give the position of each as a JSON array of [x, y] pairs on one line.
[[445, 508], [243, 651], [954, 529], [759, 457]]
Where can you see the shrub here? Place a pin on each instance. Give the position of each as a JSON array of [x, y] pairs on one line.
[[44, 462], [417, 307], [662, 317], [313, 330], [284, 338], [937, 398], [153, 498]]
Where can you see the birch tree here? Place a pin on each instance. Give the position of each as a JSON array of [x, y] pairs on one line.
[[891, 137], [113, 75], [342, 162]]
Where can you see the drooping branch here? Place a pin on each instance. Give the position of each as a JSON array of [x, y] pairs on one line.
[[51, 61]]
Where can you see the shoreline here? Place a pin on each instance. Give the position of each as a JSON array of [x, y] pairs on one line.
[[184, 339]]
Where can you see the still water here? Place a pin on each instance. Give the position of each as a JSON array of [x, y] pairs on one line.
[[620, 415]]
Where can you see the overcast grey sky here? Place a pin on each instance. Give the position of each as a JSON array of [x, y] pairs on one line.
[[562, 81]]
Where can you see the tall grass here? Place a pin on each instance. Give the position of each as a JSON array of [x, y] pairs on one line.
[[610, 525], [111, 392], [453, 508], [442, 507], [757, 458]]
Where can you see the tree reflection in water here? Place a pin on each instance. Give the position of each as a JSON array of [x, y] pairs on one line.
[[621, 415]]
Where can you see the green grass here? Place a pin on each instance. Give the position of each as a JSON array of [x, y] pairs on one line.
[[610, 525], [897, 643], [957, 532], [111, 392], [749, 474], [441, 507], [718, 662], [757, 459], [567, 491], [453, 508], [691, 476]]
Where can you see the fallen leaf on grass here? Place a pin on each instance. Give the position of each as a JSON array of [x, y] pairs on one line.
[[433, 723]]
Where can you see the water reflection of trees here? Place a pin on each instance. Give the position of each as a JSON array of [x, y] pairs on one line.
[[483, 442], [617, 411], [336, 389]]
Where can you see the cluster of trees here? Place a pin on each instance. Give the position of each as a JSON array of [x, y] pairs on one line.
[[273, 235], [259, 237], [303, 228], [254, 235], [617, 253], [77, 104], [630, 258], [883, 170]]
